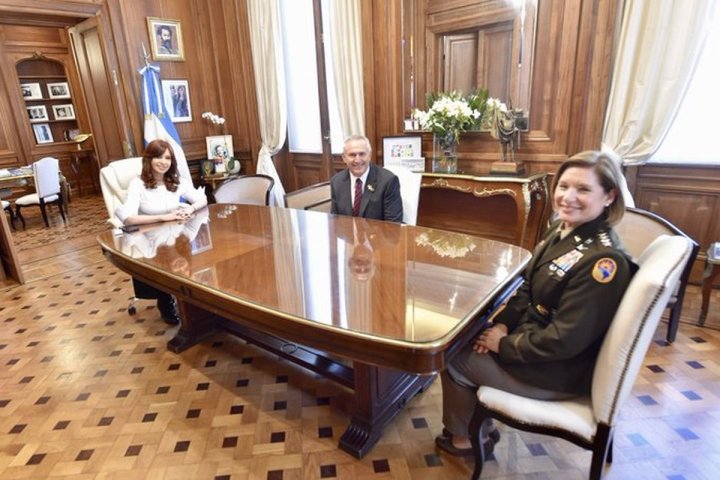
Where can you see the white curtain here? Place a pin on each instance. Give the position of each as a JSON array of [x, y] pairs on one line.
[[346, 33], [266, 43], [657, 52]]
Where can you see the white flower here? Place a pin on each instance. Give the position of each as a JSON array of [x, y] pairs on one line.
[[451, 113], [212, 118]]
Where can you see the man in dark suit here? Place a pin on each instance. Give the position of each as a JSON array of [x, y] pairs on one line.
[[364, 189]]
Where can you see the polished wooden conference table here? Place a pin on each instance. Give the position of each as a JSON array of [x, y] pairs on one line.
[[376, 306]]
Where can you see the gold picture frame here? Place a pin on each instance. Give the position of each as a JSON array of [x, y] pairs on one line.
[[166, 39]]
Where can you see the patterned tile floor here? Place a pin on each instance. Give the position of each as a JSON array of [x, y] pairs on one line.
[[86, 216], [88, 392]]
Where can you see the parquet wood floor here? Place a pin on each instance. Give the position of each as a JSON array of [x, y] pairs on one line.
[[88, 392]]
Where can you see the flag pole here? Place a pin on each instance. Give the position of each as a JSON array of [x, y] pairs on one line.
[[145, 55]]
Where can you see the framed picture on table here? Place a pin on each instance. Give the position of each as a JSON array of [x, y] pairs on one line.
[[219, 146], [166, 40], [404, 151]]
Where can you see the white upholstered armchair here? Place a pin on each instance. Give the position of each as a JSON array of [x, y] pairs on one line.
[[589, 421], [114, 181]]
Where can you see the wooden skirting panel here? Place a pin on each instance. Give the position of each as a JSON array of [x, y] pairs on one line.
[[686, 195]]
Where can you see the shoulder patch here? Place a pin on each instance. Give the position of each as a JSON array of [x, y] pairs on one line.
[[604, 270]]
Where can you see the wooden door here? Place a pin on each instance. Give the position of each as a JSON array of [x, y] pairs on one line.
[[98, 71]]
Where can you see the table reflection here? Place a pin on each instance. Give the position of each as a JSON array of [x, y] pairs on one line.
[[363, 276]]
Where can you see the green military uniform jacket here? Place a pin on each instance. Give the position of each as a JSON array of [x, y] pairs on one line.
[[559, 316]]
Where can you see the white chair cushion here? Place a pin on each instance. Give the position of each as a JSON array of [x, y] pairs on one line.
[[5, 203], [574, 415], [33, 199]]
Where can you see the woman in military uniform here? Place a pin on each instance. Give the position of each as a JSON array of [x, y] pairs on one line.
[[544, 343]]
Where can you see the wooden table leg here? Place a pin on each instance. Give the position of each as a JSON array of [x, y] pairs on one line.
[[195, 325], [706, 291], [380, 394]]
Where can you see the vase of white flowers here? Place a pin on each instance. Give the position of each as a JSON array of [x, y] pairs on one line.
[[448, 115]]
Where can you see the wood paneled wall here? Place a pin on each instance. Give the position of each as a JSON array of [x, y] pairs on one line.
[[569, 86], [569, 82], [686, 195], [218, 67]]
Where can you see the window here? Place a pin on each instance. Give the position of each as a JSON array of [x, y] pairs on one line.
[[690, 137], [301, 78]]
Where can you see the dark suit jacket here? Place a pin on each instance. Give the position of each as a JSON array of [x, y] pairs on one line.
[[381, 197], [559, 316]]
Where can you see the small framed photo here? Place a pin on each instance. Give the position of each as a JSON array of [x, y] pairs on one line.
[[31, 91], [176, 95], [404, 151], [219, 146], [58, 90], [63, 112], [37, 113], [43, 133], [166, 41]]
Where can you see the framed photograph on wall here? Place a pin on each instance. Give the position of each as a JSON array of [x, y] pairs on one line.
[[37, 113], [42, 133], [31, 91], [176, 95], [166, 41], [404, 151], [58, 90], [63, 112]]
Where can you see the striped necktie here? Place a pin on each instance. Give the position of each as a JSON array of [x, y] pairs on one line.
[[358, 198]]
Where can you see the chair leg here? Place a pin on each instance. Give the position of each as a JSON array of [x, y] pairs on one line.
[[43, 210], [608, 457], [19, 215], [476, 436], [61, 206], [603, 441], [12, 217], [674, 319]]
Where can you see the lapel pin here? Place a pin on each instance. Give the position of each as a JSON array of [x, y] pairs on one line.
[[371, 188]]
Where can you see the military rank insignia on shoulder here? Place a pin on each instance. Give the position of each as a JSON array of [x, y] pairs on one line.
[[604, 270], [604, 238]]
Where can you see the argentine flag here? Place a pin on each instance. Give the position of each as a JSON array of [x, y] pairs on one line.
[[157, 120]]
